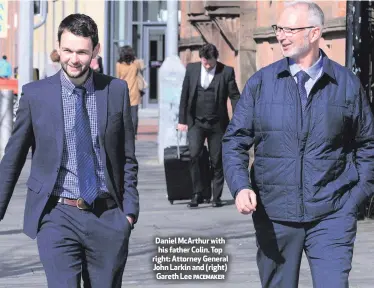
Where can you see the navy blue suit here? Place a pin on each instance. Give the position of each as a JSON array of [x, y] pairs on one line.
[[40, 125]]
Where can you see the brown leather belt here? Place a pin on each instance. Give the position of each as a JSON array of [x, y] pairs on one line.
[[103, 203]]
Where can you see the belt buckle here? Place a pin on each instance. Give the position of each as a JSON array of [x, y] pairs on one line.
[[81, 204]]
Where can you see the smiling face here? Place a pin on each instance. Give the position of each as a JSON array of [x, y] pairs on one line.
[[76, 53], [301, 42]]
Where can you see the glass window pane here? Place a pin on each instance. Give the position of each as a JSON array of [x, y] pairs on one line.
[[135, 39], [135, 10], [115, 21], [116, 47], [154, 11]]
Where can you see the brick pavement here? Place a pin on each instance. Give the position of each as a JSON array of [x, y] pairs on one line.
[[20, 265]]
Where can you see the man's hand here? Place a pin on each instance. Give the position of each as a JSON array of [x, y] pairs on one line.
[[130, 219], [246, 201], [182, 127]]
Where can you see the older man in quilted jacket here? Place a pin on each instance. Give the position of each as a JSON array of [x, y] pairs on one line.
[[313, 135]]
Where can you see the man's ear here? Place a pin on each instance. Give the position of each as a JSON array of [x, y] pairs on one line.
[[96, 50], [58, 47], [316, 34]]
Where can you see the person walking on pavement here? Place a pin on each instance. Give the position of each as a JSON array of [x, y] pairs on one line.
[[53, 67], [97, 64], [203, 112], [128, 68], [313, 134], [82, 199], [5, 68]]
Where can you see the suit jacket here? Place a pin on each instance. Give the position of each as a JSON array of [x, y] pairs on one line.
[[39, 124], [225, 86]]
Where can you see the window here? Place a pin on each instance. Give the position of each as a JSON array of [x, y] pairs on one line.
[[154, 11], [38, 7]]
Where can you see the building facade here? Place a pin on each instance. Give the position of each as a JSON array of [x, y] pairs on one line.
[[242, 32], [141, 24], [45, 37]]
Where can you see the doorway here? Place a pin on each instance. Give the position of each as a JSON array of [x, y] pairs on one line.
[[154, 54]]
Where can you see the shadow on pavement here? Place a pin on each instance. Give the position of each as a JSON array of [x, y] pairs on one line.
[[19, 267], [11, 266], [11, 232]]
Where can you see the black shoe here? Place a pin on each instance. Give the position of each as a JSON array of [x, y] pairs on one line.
[[195, 201], [217, 203]]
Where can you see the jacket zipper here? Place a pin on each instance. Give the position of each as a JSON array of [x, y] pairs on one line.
[[301, 156], [309, 101], [299, 142], [299, 126]]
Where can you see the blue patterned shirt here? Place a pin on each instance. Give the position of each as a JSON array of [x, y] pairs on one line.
[[67, 181]]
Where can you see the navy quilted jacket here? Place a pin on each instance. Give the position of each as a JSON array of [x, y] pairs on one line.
[[305, 169]]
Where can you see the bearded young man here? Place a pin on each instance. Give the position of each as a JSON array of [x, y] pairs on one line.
[[313, 134], [82, 199]]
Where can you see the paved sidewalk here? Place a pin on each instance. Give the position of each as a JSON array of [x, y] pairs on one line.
[[20, 265]]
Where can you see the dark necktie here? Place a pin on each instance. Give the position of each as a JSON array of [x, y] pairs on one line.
[[84, 149], [302, 77]]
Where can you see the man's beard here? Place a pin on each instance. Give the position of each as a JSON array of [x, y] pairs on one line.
[[76, 75], [297, 52]]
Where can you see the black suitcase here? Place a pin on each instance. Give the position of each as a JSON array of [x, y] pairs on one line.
[[177, 173]]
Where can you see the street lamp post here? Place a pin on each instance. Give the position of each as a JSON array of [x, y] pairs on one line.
[[25, 47]]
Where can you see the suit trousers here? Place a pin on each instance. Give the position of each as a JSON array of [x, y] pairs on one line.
[[71, 241], [196, 138], [135, 118], [328, 244]]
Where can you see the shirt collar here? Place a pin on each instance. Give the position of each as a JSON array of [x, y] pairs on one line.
[[69, 86], [312, 71]]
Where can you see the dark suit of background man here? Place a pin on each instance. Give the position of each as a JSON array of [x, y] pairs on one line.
[[203, 112], [82, 198]]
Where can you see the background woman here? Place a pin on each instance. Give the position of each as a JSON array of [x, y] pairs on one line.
[[128, 68]]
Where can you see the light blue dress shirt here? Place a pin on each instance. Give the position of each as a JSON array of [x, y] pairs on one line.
[[314, 72]]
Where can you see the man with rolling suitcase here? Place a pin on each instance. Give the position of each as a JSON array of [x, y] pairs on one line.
[[203, 112]]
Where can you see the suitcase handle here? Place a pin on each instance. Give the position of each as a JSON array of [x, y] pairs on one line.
[[178, 149]]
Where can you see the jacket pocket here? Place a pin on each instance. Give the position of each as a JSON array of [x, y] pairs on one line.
[[331, 123], [34, 185]]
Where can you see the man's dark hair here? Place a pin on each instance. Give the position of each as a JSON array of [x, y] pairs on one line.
[[4, 57], [80, 25], [126, 54], [208, 51]]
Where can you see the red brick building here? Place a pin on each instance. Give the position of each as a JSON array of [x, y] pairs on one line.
[[242, 32]]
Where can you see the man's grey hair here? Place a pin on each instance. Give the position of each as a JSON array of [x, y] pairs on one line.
[[316, 15]]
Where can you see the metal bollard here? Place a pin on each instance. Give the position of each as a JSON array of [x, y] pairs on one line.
[[6, 118]]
